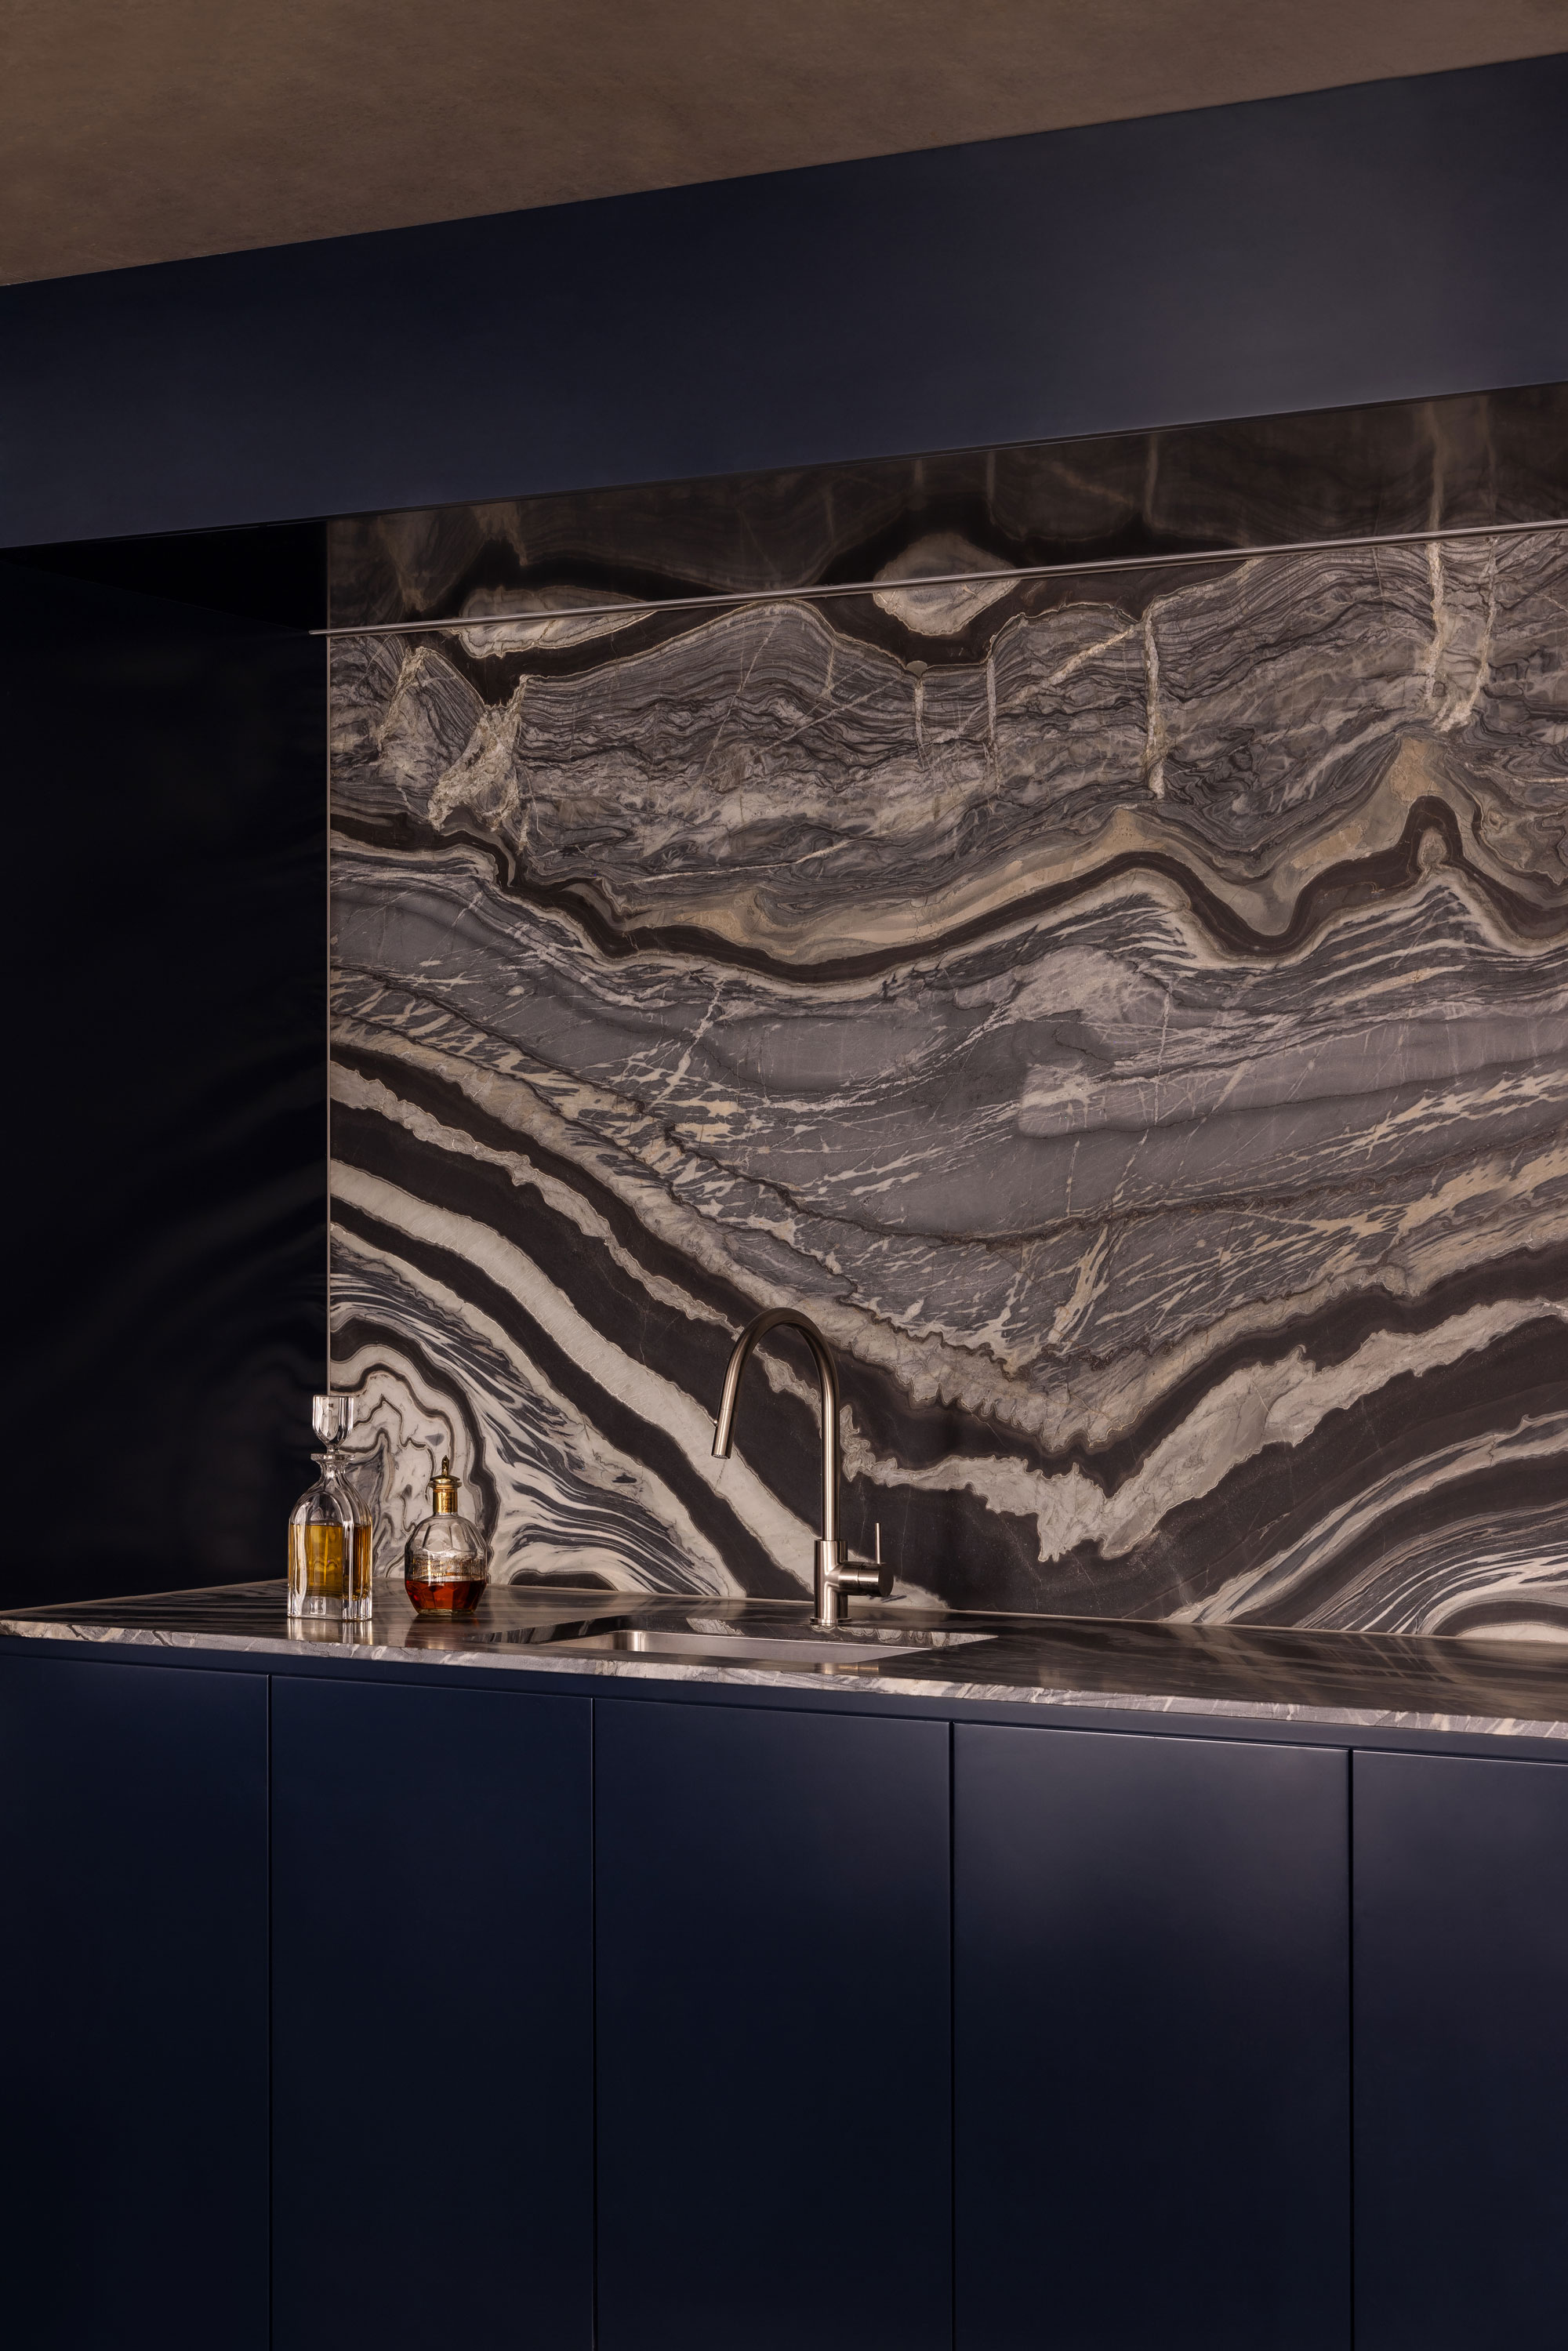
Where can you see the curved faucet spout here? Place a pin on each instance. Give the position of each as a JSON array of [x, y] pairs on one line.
[[835, 1576], [777, 1317]]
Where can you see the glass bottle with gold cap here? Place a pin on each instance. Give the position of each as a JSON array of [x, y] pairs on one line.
[[447, 1563], [329, 1528]]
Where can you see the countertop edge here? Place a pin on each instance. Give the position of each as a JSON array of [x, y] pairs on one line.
[[537, 1661]]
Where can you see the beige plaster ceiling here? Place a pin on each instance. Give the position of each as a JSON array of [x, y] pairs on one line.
[[135, 130]]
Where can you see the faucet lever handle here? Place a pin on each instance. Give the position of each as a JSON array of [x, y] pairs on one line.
[[870, 1579]]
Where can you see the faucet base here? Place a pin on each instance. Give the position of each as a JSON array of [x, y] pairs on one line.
[[836, 1576], [828, 1610]]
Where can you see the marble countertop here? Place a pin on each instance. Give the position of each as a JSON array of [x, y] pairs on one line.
[[1358, 1680]]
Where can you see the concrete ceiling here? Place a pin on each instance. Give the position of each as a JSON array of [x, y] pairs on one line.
[[136, 130]]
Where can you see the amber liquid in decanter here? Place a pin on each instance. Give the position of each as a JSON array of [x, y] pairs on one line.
[[458, 1597], [316, 1563]]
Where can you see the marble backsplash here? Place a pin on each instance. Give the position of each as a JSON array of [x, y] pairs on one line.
[[1128, 1012]]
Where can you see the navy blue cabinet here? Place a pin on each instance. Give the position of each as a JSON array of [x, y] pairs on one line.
[[432, 2019], [1461, 2076], [773, 1993], [1151, 1972], [838, 2029], [134, 1993]]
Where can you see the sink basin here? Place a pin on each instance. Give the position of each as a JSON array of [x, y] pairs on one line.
[[857, 1651]]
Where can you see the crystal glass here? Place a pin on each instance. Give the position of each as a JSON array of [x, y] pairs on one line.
[[330, 1529], [447, 1563]]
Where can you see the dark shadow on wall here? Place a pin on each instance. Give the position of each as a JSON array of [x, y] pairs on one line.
[[165, 832]]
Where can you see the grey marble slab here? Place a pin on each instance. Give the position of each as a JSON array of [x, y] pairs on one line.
[[1134, 1024], [1241, 1674]]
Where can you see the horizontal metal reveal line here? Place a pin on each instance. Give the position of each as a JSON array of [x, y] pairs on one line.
[[634, 608]]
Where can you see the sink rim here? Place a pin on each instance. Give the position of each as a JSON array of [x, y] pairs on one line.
[[857, 1649]]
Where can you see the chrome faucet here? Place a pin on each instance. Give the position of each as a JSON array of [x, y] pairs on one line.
[[836, 1575]]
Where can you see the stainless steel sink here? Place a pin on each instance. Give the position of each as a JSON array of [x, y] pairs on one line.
[[856, 1651]]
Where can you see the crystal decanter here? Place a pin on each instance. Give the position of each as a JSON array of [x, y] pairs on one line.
[[329, 1528]]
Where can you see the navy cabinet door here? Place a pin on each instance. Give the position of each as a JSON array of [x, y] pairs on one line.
[[1461, 2053], [1151, 1980], [432, 2019], [773, 1982], [133, 1995]]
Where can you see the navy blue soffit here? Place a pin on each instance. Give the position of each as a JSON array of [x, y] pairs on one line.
[[1384, 241]]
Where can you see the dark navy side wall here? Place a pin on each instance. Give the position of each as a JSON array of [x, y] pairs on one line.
[[165, 834], [1388, 240]]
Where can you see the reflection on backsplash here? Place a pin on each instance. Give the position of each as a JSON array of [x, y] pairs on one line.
[[1128, 1014], [1477, 459]]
